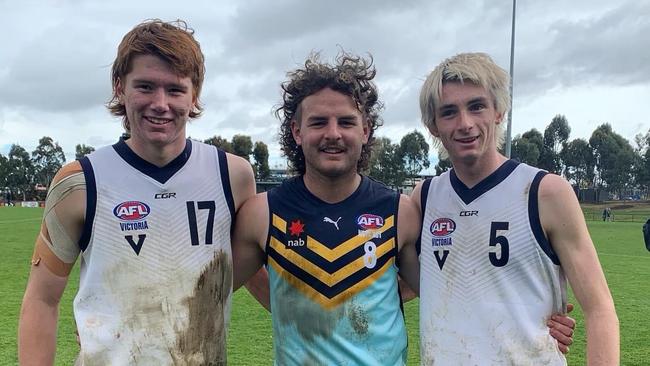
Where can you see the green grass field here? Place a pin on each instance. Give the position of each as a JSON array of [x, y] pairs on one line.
[[619, 244]]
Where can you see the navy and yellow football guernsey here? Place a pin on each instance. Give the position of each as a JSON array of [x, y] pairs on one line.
[[333, 277]]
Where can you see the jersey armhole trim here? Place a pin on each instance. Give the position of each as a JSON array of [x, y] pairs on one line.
[[270, 227], [396, 249], [535, 222], [398, 197], [91, 202], [225, 183], [424, 195]]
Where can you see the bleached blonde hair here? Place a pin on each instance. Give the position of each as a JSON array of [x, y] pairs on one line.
[[477, 68]]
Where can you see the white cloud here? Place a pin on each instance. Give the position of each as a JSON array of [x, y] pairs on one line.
[[589, 60]]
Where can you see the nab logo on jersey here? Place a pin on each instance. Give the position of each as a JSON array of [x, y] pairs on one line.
[[131, 211], [443, 227], [296, 228], [370, 221]]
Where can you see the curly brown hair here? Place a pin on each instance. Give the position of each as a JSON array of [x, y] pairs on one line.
[[174, 43], [350, 75]]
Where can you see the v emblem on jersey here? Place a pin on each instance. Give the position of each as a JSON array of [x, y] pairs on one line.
[[441, 261], [136, 247]]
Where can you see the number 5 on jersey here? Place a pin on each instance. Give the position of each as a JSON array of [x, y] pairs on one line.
[[497, 260], [500, 240]]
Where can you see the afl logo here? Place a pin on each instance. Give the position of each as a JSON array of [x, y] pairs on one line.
[[370, 221], [443, 227], [131, 211]]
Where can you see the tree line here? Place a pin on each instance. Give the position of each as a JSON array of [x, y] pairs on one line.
[[605, 161]]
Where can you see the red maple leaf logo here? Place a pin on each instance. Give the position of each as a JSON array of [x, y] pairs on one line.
[[296, 228]]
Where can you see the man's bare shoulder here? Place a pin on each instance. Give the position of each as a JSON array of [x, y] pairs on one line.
[[408, 223], [559, 211], [66, 171], [242, 179], [240, 169], [417, 194], [408, 204], [67, 191], [252, 222], [554, 188]]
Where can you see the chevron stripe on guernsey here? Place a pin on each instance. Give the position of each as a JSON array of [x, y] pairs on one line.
[[329, 276]]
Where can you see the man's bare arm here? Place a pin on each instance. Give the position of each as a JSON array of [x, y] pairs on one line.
[[242, 180], [38, 317], [259, 287], [64, 213], [243, 185], [408, 230], [249, 239], [565, 227]]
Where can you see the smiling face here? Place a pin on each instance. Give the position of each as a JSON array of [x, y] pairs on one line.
[[158, 103], [466, 123], [331, 132]]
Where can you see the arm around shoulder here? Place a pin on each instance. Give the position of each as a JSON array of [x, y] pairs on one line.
[[566, 230]]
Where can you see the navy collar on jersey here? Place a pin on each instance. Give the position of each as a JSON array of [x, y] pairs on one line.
[[160, 174], [470, 194], [363, 184]]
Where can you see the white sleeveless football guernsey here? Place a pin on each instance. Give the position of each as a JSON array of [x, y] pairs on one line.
[[489, 278], [156, 266]]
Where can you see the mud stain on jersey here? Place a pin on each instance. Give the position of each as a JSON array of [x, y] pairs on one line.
[[205, 335], [358, 317], [527, 189], [310, 319]]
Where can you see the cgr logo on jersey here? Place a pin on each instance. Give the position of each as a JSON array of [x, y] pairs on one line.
[[369, 225], [441, 229], [132, 214], [468, 213], [164, 195]]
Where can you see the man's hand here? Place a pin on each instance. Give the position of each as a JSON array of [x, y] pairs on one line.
[[561, 328]]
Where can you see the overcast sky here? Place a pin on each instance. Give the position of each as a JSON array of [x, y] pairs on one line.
[[586, 59]]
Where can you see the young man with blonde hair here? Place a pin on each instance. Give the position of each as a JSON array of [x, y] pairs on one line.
[[498, 237]]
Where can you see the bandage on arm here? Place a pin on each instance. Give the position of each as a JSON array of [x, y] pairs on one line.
[[57, 243]]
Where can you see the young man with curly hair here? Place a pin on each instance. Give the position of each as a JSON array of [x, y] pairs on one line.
[[329, 236]]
